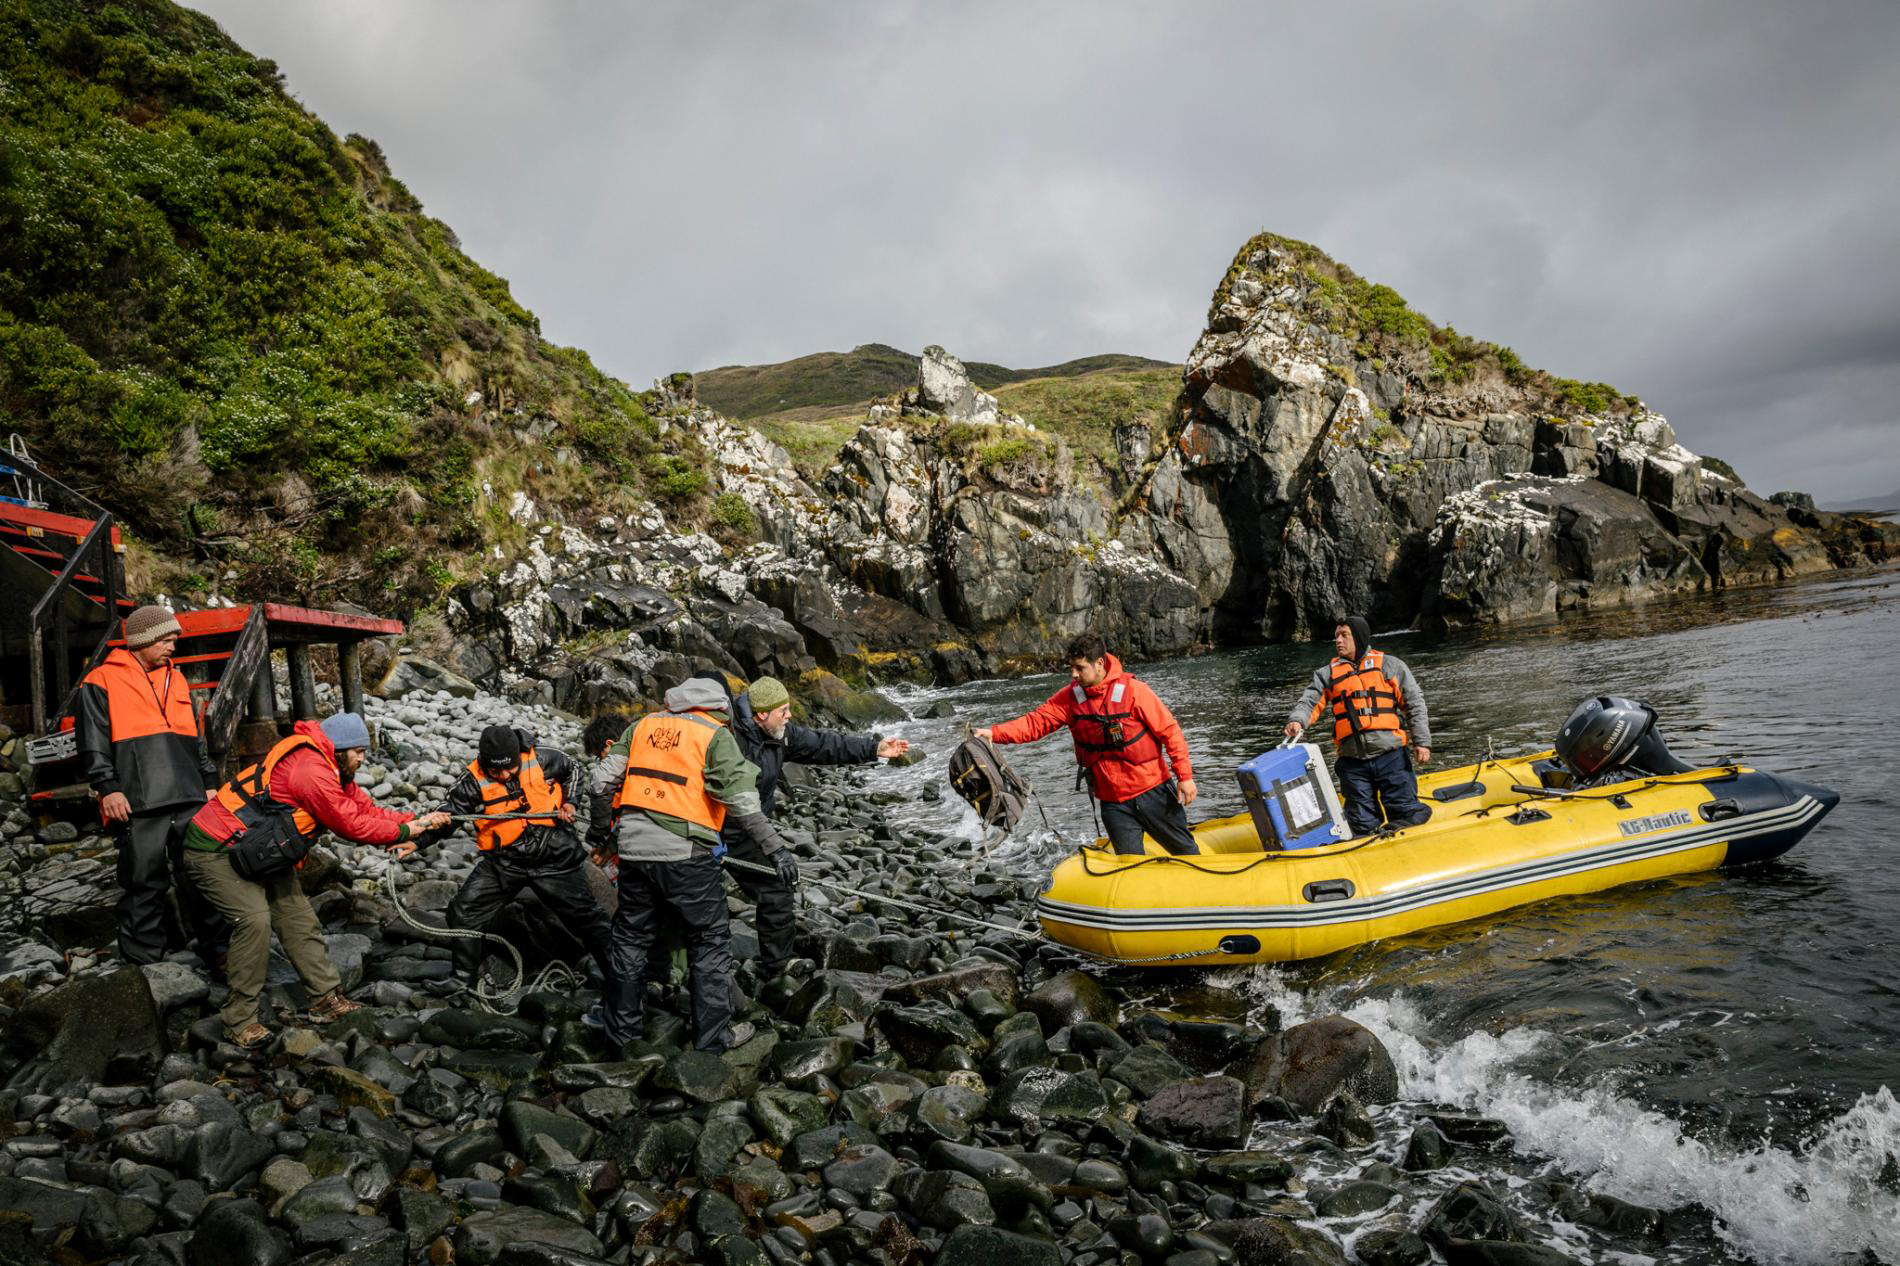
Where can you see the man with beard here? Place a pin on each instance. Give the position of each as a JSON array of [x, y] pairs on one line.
[[138, 738], [762, 722]]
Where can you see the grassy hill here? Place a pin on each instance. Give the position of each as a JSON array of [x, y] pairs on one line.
[[839, 380], [243, 332], [812, 405]]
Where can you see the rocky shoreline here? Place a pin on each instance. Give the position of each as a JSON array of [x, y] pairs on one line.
[[919, 1091]]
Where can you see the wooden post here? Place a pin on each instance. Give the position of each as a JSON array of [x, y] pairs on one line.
[[349, 671], [264, 691], [303, 682]]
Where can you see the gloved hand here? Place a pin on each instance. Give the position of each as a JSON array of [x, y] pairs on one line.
[[719, 851], [787, 867]]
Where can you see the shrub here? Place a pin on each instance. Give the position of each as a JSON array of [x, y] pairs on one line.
[[1004, 452], [673, 478], [729, 510]]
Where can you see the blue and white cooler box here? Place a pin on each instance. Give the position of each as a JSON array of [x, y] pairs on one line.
[[1292, 799]]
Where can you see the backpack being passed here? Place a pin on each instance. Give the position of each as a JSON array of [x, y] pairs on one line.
[[997, 793]]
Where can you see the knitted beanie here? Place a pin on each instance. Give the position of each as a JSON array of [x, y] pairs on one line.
[[146, 625], [767, 693], [500, 745], [345, 730]]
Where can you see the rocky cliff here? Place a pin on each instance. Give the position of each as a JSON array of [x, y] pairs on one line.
[[1331, 450], [1339, 452]]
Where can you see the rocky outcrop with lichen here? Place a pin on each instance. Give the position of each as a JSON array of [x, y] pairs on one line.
[[1331, 451], [1339, 453]]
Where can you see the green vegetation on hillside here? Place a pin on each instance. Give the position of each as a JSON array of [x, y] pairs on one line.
[[243, 333], [1385, 331], [1085, 410]]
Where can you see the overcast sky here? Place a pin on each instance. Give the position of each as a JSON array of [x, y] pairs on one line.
[[1697, 202]]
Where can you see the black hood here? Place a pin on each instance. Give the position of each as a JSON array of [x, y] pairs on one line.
[[1361, 636]]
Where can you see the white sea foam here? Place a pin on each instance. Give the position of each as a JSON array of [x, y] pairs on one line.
[[1825, 1203]]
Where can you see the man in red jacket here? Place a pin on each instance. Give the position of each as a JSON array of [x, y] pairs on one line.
[[139, 740], [303, 787], [1126, 740]]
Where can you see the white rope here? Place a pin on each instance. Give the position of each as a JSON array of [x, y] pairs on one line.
[[496, 1001]]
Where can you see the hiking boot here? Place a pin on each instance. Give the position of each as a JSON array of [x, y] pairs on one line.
[[595, 1017], [740, 1033], [332, 1006], [252, 1037]]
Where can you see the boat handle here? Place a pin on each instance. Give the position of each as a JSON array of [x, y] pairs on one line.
[[1328, 890], [1527, 814], [1716, 810]]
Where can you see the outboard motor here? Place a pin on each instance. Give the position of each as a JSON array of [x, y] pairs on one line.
[[1610, 738]]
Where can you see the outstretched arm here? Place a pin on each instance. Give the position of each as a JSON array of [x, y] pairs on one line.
[[1041, 722], [828, 747]]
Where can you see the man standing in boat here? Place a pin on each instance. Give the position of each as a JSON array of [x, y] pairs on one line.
[[1127, 742], [1378, 711]]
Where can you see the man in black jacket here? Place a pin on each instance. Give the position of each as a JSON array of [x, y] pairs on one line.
[[510, 775], [762, 722], [138, 738]]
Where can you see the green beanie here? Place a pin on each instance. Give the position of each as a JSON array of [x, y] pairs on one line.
[[767, 693]]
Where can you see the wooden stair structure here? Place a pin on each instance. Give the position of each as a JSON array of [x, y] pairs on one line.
[[62, 609]]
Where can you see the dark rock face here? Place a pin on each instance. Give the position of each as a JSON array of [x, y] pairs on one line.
[[1306, 1064], [1283, 1242], [481, 1237], [85, 1029], [1205, 1112], [1309, 478]]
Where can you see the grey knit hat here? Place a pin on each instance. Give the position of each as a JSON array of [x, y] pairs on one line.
[[146, 625], [345, 730]]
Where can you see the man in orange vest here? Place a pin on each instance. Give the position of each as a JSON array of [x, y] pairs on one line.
[[138, 738], [1127, 742], [245, 846], [1378, 711], [671, 783], [511, 774]]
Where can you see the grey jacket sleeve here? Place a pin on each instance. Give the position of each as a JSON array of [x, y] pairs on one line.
[[609, 772], [1418, 721], [1309, 698], [758, 828]]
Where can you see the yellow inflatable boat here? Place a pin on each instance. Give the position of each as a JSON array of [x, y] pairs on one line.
[[1497, 838]]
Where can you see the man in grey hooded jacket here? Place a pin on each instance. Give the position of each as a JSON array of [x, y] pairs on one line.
[[669, 785], [1378, 710]]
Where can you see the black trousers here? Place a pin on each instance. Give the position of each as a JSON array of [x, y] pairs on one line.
[[694, 889], [1381, 790], [1157, 812], [151, 864], [774, 916], [493, 884]]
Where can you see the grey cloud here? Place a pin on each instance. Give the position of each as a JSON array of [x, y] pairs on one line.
[[1699, 202]]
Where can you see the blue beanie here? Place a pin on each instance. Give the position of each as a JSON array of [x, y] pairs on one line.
[[346, 730]]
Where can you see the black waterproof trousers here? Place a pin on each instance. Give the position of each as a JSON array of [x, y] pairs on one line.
[[1157, 811], [1381, 791], [693, 889], [494, 883], [774, 916], [151, 863]]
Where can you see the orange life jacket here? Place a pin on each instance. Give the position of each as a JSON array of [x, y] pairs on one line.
[[666, 768], [1108, 728], [536, 795], [142, 703], [1364, 699], [247, 796]]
